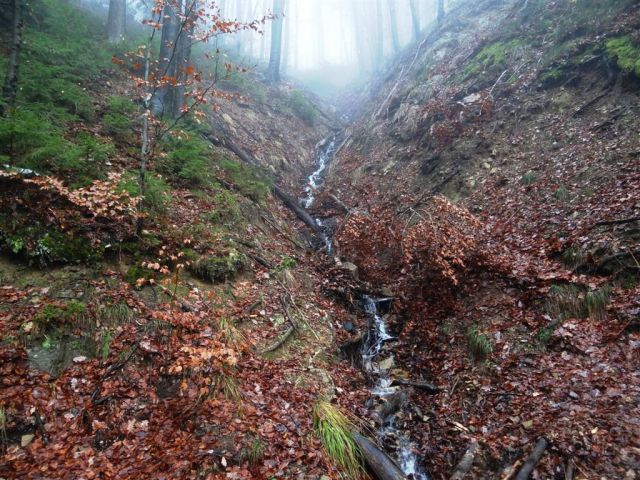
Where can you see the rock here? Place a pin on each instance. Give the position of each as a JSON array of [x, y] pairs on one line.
[[351, 268], [386, 292], [26, 439], [386, 364], [349, 327]]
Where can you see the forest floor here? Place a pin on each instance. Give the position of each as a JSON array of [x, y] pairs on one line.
[[200, 349]]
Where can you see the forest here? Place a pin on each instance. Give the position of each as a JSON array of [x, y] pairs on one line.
[[320, 239]]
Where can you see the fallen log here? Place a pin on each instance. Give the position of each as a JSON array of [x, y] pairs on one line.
[[302, 214], [425, 387], [466, 462], [379, 462], [291, 203], [532, 460]]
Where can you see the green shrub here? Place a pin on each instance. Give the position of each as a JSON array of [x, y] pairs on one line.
[[226, 208], [248, 179], [118, 126], [157, 191], [303, 108], [186, 157], [117, 122], [626, 53]]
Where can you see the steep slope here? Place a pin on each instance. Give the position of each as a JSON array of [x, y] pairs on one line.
[[524, 114]]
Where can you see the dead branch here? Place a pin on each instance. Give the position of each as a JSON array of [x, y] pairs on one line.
[[617, 222], [425, 387], [466, 462], [532, 460], [281, 341], [586, 105]]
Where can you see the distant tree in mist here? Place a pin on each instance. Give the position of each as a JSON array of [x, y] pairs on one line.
[[276, 41], [393, 25], [415, 18], [116, 20], [440, 11]]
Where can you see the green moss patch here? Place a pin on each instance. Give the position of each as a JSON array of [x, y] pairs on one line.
[[626, 53], [220, 268]]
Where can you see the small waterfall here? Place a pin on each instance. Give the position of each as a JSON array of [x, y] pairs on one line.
[[323, 156], [372, 346]]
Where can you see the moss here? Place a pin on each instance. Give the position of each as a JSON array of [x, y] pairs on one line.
[[42, 245], [494, 55], [626, 54], [136, 272], [51, 315], [220, 268]]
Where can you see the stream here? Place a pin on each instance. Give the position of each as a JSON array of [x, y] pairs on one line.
[[376, 336]]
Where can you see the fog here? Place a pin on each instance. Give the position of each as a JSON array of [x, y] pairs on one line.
[[328, 44]]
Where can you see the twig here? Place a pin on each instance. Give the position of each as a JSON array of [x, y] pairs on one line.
[[187, 307], [40, 426], [618, 222]]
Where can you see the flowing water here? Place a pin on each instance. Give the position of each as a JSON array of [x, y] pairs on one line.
[[324, 155], [377, 335], [372, 347]]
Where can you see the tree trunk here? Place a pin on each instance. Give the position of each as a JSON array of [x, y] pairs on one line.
[[393, 21], [286, 49], [440, 11], [276, 42], [163, 97], [415, 18], [10, 88], [116, 20], [183, 57], [379, 34]]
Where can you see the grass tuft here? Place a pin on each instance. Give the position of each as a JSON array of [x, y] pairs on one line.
[[480, 346], [334, 429]]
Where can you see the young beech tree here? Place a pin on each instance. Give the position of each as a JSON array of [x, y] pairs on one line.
[[172, 87], [116, 20], [10, 87]]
